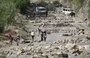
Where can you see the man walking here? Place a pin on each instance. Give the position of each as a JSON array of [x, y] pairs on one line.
[[11, 39], [45, 35], [18, 40], [42, 36], [32, 35], [39, 30]]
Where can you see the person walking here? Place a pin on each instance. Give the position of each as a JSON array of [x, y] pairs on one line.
[[11, 39], [18, 40], [39, 30], [10, 36], [45, 35], [32, 35], [42, 36]]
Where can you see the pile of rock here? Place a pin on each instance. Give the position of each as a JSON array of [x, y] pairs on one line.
[[49, 50]]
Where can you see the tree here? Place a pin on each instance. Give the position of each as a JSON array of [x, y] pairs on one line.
[[42, 3], [8, 9], [50, 7], [89, 9], [77, 4], [56, 3]]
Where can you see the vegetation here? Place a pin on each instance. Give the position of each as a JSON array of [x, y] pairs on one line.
[[50, 7], [42, 3], [89, 9], [56, 3], [8, 9], [77, 4]]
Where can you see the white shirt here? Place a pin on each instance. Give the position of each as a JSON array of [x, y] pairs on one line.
[[16, 31], [32, 33]]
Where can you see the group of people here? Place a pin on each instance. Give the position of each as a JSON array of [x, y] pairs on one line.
[[43, 34], [16, 37]]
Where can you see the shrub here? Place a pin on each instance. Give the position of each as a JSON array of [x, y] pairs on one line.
[[56, 3], [77, 4], [50, 7], [89, 9], [8, 9], [42, 3]]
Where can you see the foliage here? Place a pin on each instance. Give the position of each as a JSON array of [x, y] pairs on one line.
[[85, 54], [42, 3], [56, 3], [50, 7], [77, 4], [20, 3], [89, 9], [6, 13], [8, 9]]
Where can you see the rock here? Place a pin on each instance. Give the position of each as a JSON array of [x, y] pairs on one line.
[[28, 53], [22, 51], [87, 47], [69, 46], [35, 56], [2, 55], [44, 56], [47, 47], [9, 53], [56, 48], [19, 52]]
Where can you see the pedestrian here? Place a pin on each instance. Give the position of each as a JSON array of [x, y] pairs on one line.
[[11, 39], [45, 37], [44, 33], [16, 30], [32, 35], [9, 35], [39, 30], [18, 39]]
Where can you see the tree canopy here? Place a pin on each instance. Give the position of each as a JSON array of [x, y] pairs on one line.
[[8, 9]]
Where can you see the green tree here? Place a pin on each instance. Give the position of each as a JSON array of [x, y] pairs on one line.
[[8, 8], [77, 4], [89, 9]]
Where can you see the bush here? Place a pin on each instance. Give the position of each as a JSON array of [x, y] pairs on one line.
[[51, 7], [89, 9], [42, 3], [2, 27], [56, 3], [77, 4], [8, 8], [20, 3]]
